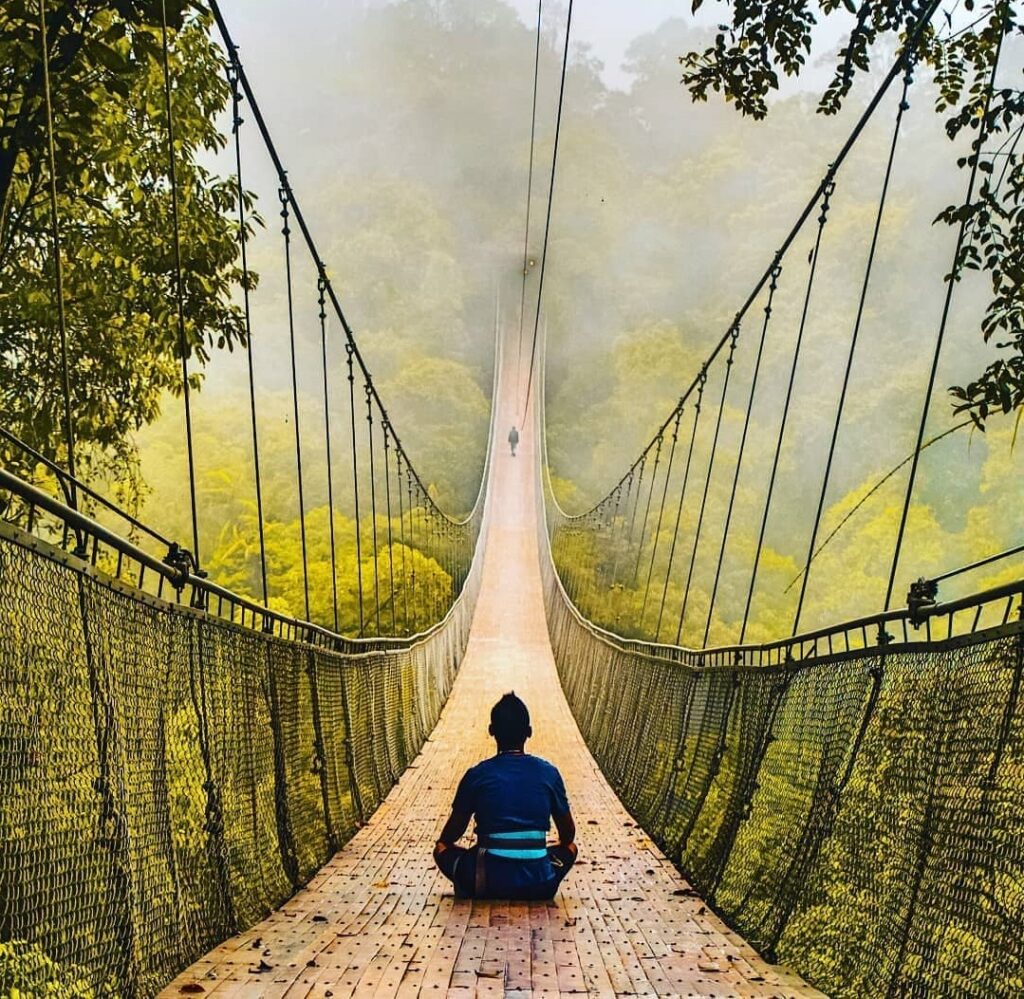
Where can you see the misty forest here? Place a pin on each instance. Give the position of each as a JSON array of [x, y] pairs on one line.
[[410, 136]]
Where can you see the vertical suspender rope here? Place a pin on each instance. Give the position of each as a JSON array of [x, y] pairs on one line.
[[815, 253], [58, 265], [618, 544], [647, 510], [373, 504], [529, 192], [321, 301], [853, 346], [776, 272], [707, 480], [386, 426], [636, 501], [179, 289], [547, 220], [236, 127], [953, 276], [350, 350], [412, 550], [285, 197], [682, 499], [401, 529], [656, 537]]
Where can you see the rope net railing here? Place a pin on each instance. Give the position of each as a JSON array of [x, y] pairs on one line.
[[169, 777], [181, 750], [850, 798]]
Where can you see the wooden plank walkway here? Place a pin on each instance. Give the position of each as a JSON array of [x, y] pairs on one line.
[[379, 920]]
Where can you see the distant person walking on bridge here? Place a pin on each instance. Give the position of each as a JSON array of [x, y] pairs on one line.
[[513, 440], [514, 797]]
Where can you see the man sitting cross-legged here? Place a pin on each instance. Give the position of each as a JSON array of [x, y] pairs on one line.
[[514, 797]]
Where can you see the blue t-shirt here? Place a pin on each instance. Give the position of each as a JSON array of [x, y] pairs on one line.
[[511, 794]]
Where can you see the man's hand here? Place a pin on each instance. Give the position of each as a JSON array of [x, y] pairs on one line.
[[566, 831], [453, 830]]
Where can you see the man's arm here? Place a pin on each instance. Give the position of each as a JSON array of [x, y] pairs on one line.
[[566, 831], [453, 829]]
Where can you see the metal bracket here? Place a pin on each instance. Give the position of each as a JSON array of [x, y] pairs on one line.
[[921, 598]]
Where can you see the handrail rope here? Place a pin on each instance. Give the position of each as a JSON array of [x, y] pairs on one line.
[[815, 255], [63, 476], [988, 560], [894, 72], [300, 220], [547, 219], [903, 106], [179, 290], [180, 576], [950, 284], [236, 128], [327, 449], [529, 191], [679, 506], [58, 265], [286, 231], [769, 304], [707, 478]]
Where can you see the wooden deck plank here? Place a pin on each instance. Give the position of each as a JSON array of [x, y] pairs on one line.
[[379, 920]]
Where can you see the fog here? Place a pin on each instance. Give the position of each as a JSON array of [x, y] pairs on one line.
[[405, 130]]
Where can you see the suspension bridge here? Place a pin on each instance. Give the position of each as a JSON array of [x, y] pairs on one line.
[[204, 793]]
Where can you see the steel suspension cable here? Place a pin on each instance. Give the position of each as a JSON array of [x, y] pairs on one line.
[[349, 351], [772, 286], [58, 264], [951, 282], [656, 538], [179, 287], [815, 253], [529, 192], [868, 270], [679, 506], [547, 219], [730, 357], [321, 301], [286, 232], [236, 128]]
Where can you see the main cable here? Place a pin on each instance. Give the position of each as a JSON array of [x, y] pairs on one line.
[[547, 220], [529, 191]]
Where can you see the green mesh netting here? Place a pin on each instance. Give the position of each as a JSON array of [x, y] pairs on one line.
[[859, 816], [167, 778]]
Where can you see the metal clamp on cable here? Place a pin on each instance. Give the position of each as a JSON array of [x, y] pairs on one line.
[[921, 598], [183, 562]]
